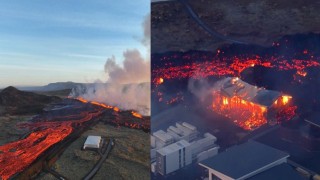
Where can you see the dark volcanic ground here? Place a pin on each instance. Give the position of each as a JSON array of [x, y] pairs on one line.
[[255, 22], [129, 159]]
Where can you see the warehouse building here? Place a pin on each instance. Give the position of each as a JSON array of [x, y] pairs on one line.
[[180, 146], [173, 157], [251, 160]]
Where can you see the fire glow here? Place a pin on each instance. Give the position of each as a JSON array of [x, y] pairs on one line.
[[248, 106], [116, 109], [218, 67], [18, 155], [245, 114]]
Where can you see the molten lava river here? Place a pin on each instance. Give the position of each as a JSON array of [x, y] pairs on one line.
[[18, 155]]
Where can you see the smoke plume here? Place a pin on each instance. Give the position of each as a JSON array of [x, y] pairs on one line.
[[128, 84]]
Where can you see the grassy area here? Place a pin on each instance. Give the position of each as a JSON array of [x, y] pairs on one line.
[[129, 159]]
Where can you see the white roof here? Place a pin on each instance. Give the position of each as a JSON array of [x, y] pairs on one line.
[[163, 136], [193, 128], [173, 147], [92, 142]]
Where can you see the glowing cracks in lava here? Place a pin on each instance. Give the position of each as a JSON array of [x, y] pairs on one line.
[[101, 104], [135, 114], [302, 73], [98, 104], [82, 100], [116, 109], [227, 67]]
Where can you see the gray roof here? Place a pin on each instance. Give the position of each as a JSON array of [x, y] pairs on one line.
[[173, 147], [280, 172], [314, 119], [236, 87], [266, 97], [243, 159]]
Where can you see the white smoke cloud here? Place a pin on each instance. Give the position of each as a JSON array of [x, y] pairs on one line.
[[135, 68], [200, 88], [128, 84]]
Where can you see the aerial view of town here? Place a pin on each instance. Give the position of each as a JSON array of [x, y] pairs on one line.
[[235, 90]]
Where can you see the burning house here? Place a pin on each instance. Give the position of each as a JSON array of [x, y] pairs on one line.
[[247, 105]]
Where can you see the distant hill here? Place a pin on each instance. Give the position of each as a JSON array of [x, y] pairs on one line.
[[15, 101], [54, 86]]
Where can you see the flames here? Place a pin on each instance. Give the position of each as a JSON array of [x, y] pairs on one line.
[[285, 99], [245, 114], [249, 115]]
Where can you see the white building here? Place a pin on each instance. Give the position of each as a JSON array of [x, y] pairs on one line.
[[173, 157], [162, 139], [92, 142], [183, 138], [244, 161]]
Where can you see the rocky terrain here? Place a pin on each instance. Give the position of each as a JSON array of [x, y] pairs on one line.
[[129, 159], [255, 22], [8, 129], [15, 102]]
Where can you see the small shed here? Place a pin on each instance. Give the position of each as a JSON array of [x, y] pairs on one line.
[[92, 142]]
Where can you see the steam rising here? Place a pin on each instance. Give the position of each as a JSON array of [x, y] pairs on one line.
[[135, 69], [128, 85]]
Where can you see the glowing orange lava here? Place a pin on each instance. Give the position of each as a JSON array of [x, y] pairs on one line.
[[135, 114], [243, 113], [98, 104], [18, 155], [217, 67]]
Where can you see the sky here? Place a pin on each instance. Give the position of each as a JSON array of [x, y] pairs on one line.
[[46, 41]]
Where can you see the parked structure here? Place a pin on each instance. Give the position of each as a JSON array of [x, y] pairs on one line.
[[92, 142], [179, 146]]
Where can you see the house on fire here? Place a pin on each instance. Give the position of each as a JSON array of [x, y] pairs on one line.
[[247, 105]]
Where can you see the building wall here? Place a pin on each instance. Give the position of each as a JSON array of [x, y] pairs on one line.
[[161, 164], [172, 162]]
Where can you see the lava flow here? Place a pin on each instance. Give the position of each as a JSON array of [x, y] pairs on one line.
[[135, 114], [228, 67], [48, 130], [145, 125], [16, 156]]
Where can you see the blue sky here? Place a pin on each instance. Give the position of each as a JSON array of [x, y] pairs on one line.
[[44, 41]]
